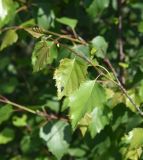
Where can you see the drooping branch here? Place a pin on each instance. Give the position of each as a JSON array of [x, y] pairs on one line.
[[98, 68], [100, 71], [122, 88], [40, 113]]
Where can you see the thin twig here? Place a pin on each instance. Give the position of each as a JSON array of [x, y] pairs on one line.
[[64, 37], [122, 88], [43, 114], [120, 31], [46, 32], [11, 27], [120, 40], [89, 61], [5, 100], [118, 83], [23, 8]]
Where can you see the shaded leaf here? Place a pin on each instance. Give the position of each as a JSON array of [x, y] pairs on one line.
[[96, 7], [6, 135], [5, 112], [67, 21], [82, 49], [44, 53], [45, 17], [57, 135], [85, 99], [8, 86], [25, 144], [69, 75], [101, 116], [9, 38], [99, 46]]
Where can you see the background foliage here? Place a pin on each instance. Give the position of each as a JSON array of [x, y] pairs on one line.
[[59, 95]]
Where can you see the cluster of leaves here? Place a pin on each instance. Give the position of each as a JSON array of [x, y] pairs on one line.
[[57, 69]]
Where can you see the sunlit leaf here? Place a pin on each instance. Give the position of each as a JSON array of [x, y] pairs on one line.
[[9, 38], [29, 23], [85, 99], [131, 144], [5, 112], [68, 21], [134, 138], [35, 33], [84, 123], [140, 27], [20, 121], [79, 152], [7, 11], [57, 135], [69, 75]]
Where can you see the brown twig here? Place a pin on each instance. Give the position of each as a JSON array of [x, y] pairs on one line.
[[121, 86], [23, 8], [43, 114], [11, 27], [120, 40], [117, 82]]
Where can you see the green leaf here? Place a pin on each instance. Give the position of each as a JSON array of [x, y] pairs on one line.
[[85, 99], [45, 17], [28, 23], [96, 7], [8, 86], [20, 121], [44, 53], [134, 138], [9, 38], [69, 75], [57, 135], [6, 135], [123, 65], [82, 49], [78, 152], [131, 144], [84, 123], [7, 11], [67, 21], [101, 116], [99, 46], [140, 27], [53, 104], [35, 33], [65, 104], [5, 113], [25, 144]]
